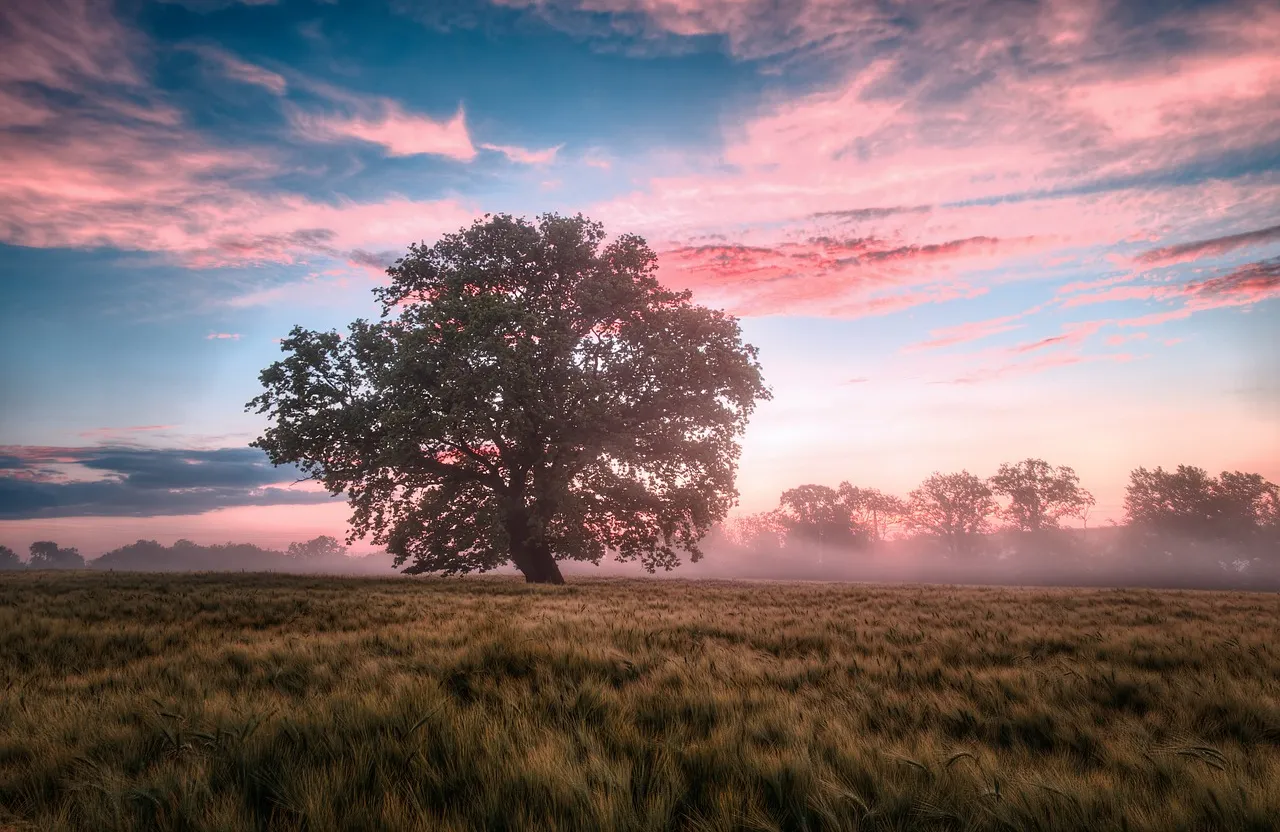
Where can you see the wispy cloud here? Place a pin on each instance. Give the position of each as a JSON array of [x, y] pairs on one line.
[[111, 433], [831, 276], [1246, 285], [523, 156], [384, 122], [222, 336], [1208, 248], [1032, 367], [239, 70], [966, 332]]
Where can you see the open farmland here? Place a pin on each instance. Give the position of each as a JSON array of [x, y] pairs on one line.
[[220, 702]]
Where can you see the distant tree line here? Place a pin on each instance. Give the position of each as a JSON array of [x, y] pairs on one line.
[[320, 554], [1179, 521], [1028, 502]]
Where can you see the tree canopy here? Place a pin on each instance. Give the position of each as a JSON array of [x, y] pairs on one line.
[[818, 514], [1040, 496], [955, 508], [9, 559], [1188, 501], [45, 554], [317, 548], [873, 512], [532, 393]]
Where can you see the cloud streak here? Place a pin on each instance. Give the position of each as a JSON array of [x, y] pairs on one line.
[[524, 156], [1213, 247], [385, 123]]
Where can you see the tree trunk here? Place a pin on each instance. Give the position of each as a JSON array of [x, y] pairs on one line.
[[530, 554], [540, 567]]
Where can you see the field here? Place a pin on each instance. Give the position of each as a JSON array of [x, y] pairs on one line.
[[222, 702]]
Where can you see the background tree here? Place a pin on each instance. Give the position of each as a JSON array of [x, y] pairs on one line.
[[818, 514], [45, 554], [872, 511], [1249, 506], [531, 394], [1177, 502], [9, 559], [955, 508], [1040, 496], [763, 530], [1188, 502], [318, 548]]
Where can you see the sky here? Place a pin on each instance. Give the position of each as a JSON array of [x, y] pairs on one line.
[[960, 233]]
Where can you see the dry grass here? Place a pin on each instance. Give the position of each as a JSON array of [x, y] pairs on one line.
[[221, 702]]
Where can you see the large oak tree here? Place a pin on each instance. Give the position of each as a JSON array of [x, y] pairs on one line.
[[531, 394]]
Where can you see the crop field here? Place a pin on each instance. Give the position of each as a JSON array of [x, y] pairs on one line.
[[273, 702]]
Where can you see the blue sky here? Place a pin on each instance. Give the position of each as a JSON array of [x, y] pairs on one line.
[[961, 234]]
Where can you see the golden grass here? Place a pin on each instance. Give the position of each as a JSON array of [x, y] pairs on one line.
[[273, 702]]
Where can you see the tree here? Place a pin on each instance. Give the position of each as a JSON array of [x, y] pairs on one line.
[[1039, 494], [45, 554], [872, 511], [318, 548], [531, 394], [1177, 502], [952, 507], [1188, 502], [765, 530], [9, 559], [1249, 505], [817, 514]]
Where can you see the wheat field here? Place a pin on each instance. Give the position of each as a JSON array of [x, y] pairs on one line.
[[273, 702]]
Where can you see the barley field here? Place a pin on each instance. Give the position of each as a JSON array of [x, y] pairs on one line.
[[274, 702]]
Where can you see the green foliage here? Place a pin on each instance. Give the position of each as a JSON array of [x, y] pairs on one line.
[[819, 514], [531, 394], [1040, 496], [955, 508], [288, 703], [846, 516], [45, 554], [1187, 501], [9, 559], [318, 548]]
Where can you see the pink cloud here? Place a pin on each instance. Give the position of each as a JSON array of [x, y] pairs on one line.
[[384, 122], [1243, 286], [63, 43], [109, 433], [966, 332], [816, 166], [1156, 318], [1184, 252], [160, 188], [242, 71], [524, 156], [1121, 293], [1038, 365], [828, 275], [753, 28], [1085, 285], [1073, 333], [1118, 340]]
